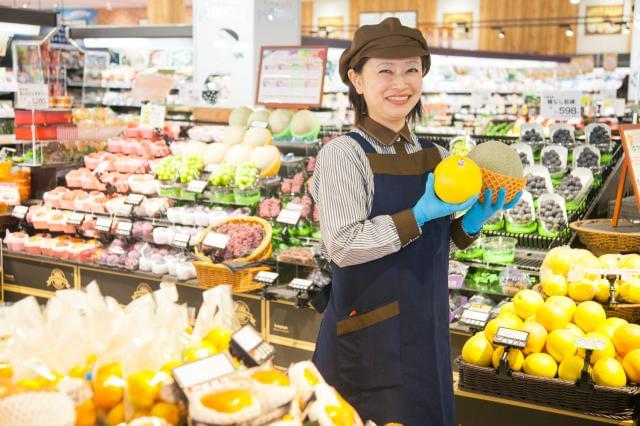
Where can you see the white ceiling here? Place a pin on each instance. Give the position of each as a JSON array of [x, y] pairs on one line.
[[97, 4]]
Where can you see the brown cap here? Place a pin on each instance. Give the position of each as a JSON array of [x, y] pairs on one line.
[[388, 39]]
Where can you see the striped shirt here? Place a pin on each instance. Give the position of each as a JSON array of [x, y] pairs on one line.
[[343, 189]]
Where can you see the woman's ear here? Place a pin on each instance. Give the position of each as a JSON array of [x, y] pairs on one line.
[[356, 80]]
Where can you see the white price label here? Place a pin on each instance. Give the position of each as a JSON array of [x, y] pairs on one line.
[[300, 284], [134, 199], [75, 219], [509, 337], [33, 96], [290, 215], [9, 194], [266, 277], [102, 167], [561, 105], [197, 186], [474, 318], [216, 240], [152, 116], [124, 228], [203, 371], [104, 224], [20, 211], [593, 344], [180, 240]]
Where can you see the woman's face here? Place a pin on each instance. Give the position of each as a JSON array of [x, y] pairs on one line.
[[391, 87]]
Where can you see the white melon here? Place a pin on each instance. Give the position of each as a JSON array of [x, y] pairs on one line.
[[303, 122], [196, 148], [261, 115], [240, 116], [257, 136], [215, 153], [267, 159], [233, 135], [279, 120], [238, 154]]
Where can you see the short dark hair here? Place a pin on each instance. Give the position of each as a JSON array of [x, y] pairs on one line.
[[360, 106]]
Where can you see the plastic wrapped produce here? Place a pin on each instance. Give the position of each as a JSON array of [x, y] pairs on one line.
[[525, 152], [562, 134], [293, 185], [554, 158], [575, 187], [495, 222], [269, 208], [521, 219], [461, 145], [532, 134], [512, 280], [587, 156], [552, 215], [599, 135], [538, 180]]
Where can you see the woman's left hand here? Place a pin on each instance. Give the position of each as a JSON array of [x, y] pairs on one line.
[[481, 212]]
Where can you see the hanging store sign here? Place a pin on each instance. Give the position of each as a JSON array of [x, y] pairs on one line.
[[32, 96]]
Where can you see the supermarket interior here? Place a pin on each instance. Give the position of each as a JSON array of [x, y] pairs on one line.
[[191, 235]]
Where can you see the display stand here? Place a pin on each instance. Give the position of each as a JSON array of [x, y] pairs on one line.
[[630, 138]]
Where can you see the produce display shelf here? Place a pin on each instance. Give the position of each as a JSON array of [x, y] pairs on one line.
[[467, 289], [526, 259]]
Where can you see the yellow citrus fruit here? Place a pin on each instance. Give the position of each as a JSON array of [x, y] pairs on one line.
[[630, 290], [609, 350], [342, 414], [6, 370], [582, 290], [629, 261], [589, 315], [477, 350], [537, 337], [169, 412], [168, 366], [554, 285], [603, 289], [456, 179], [610, 261], [526, 303], [631, 365], [108, 390], [575, 329], [508, 308], [609, 372], [561, 343], [271, 377], [228, 401], [627, 338], [559, 260], [142, 389], [116, 415], [553, 316], [506, 320], [569, 304], [571, 368], [219, 338], [196, 351], [606, 329], [616, 322], [515, 359], [311, 377], [540, 364], [86, 413]]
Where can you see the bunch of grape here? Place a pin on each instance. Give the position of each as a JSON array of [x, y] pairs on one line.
[[190, 168], [244, 238], [552, 216], [246, 176], [269, 208], [168, 168], [222, 175]]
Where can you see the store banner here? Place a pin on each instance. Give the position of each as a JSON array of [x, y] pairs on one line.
[[561, 105]]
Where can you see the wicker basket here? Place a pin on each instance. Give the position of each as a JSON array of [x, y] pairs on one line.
[[607, 402], [601, 238], [496, 181], [239, 273]]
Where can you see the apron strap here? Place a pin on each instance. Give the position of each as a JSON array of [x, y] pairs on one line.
[[366, 146], [425, 143]]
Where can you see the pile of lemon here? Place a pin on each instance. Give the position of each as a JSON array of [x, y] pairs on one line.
[[569, 272], [554, 325]]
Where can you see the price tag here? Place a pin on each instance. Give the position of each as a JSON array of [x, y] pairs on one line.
[[479, 307], [509, 337], [20, 212], [75, 219], [266, 277], [248, 345], [474, 318], [152, 116], [561, 105], [180, 240], [124, 228], [300, 284], [33, 96], [102, 167], [216, 240], [134, 199], [290, 215], [104, 224], [9, 194], [259, 124], [203, 370], [593, 344], [197, 186]]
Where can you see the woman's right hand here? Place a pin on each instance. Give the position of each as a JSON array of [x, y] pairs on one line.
[[430, 207]]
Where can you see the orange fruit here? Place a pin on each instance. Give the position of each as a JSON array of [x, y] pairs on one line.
[[142, 388], [609, 372], [168, 412], [108, 391], [456, 179], [627, 338], [537, 337], [229, 401], [219, 338], [116, 415], [86, 413], [271, 377]]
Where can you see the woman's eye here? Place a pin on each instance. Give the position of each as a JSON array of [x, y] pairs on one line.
[[385, 71], [413, 70]]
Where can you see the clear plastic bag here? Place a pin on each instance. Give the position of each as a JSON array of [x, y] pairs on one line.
[[521, 219], [512, 280], [554, 158], [552, 215]]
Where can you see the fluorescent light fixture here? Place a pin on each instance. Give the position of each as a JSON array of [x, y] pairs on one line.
[[569, 32], [132, 43], [574, 1], [21, 29], [108, 5], [490, 63], [501, 34]]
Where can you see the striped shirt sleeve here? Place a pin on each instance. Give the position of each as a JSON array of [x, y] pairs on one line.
[[340, 187]]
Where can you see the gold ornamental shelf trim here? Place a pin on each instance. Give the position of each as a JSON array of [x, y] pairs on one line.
[[29, 291], [292, 343], [121, 274]]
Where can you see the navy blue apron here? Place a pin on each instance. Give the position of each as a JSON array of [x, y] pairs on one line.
[[384, 339]]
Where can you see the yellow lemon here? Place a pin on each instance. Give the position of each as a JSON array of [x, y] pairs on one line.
[[606, 329], [537, 337], [108, 390], [86, 413], [506, 320], [526, 303], [630, 290], [196, 351], [169, 412], [571, 368], [219, 338], [629, 261], [627, 338], [515, 359], [477, 350], [608, 352], [116, 415], [540, 364], [575, 329], [553, 316], [631, 365], [507, 308], [142, 389], [456, 179], [554, 285], [616, 322], [564, 301], [6, 370], [582, 290], [561, 343], [589, 315], [271, 377], [603, 289], [610, 261], [609, 372], [559, 260]]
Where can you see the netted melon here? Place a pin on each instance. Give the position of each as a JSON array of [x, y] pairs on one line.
[[501, 168], [240, 116]]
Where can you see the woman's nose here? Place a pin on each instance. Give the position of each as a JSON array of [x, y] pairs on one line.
[[399, 81]]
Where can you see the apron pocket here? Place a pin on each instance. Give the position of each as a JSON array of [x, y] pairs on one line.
[[369, 349]]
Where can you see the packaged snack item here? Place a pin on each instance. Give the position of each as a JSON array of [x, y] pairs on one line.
[[521, 219], [552, 215], [554, 158]]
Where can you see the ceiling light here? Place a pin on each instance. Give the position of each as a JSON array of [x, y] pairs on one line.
[[569, 32], [574, 1], [625, 28], [25, 5], [501, 34]]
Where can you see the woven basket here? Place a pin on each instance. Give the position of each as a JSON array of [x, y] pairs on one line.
[[211, 274], [496, 181], [601, 238], [607, 402]]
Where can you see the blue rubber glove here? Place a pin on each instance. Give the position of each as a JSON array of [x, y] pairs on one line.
[[430, 207], [480, 213]]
